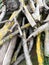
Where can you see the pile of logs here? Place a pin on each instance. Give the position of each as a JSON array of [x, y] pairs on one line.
[[20, 22]]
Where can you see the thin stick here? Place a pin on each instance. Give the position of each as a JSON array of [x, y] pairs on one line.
[[29, 17], [2, 22], [36, 15], [26, 52], [3, 12], [31, 42], [19, 59], [45, 5], [27, 14], [6, 27], [39, 2], [10, 36], [32, 5], [39, 30], [25, 48], [22, 57], [46, 45], [16, 53], [18, 26]]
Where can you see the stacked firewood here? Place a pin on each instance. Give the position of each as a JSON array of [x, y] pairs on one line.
[[20, 22]]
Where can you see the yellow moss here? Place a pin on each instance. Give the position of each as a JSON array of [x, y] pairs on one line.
[[38, 50]]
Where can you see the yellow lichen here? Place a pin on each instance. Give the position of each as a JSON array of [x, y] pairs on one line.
[[38, 50], [6, 27]]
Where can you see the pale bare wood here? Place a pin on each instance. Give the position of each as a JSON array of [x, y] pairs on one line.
[[8, 55], [3, 50]]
